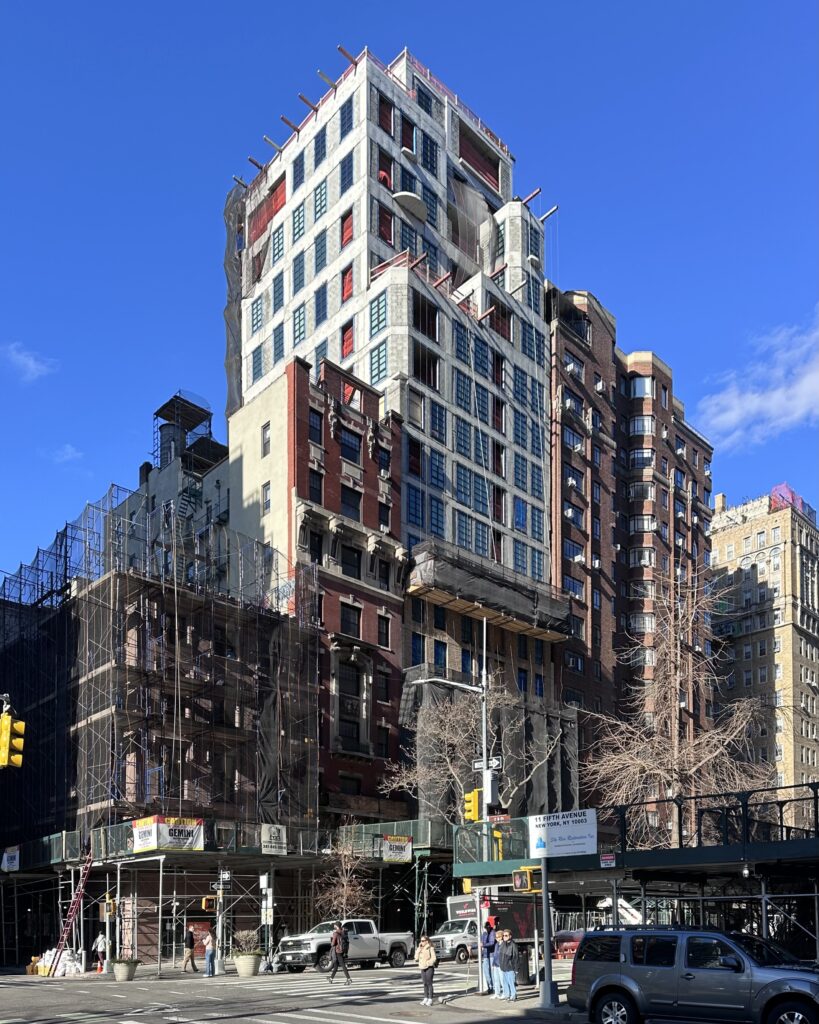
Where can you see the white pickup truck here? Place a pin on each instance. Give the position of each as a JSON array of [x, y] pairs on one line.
[[368, 946]]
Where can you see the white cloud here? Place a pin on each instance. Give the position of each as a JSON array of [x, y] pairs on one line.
[[29, 365], [66, 453], [777, 390]]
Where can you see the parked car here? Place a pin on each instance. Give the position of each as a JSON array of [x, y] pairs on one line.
[[368, 946], [620, 975]]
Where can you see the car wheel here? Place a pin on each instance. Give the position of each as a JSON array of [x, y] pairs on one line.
[[461, 955], [324, 962], [294, 968], [794, 1012], [398, 958], [616, 1008]]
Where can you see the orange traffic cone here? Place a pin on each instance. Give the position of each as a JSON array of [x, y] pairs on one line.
[[99, 968]]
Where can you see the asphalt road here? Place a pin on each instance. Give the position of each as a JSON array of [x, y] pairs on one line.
[[382, 996]]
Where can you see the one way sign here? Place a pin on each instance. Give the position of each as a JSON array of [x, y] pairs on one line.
[[494, 764]]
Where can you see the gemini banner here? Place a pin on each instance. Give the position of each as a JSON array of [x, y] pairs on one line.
[[159, 833]]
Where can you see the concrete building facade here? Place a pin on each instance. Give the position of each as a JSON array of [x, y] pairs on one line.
[[766, 562]]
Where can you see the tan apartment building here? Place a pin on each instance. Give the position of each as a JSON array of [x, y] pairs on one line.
[[765, 552]]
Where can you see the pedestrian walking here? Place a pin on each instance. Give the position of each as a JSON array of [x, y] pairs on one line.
[[210, 953], [488, 943], [339, 948], [99, 949], [190, 946], [508, 959], [427, 961]]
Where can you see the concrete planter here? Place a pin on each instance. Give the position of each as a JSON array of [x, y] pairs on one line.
[[247, 964], [125, 971]]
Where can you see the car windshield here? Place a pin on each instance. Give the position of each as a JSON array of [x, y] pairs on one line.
[[321, 929], [448, 927], [763, 951]]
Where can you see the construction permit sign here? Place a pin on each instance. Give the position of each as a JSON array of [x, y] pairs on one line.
[[564, 834], [396, 849], [160, 833]]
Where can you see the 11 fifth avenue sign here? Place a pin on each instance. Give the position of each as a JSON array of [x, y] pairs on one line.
[[564, 834]]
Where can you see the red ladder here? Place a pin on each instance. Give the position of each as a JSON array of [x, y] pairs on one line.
[[73, 910]]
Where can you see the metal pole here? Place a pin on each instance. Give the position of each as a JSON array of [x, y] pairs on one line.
[[547, 989], [175, 912], [816, 915], [107, 968], [643, 901], [82, 931], [220, 931], [764, 891], [118, 919], [16, 926], [485, 733], [482, 986], [615, 904], [159, 919]]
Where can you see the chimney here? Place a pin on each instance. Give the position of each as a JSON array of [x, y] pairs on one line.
[[144, 473], [720, 502]]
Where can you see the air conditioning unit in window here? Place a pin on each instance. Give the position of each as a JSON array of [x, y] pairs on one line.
[[568, 403], [681, 515], [384, 474], [571, 482], [695, 519], [616, 547], [384, 528], [645, 563], [665, 433], [577, 447], [600, 387], [678, 541], [579, 559], [567, 512], [596, 561], [698, 648]]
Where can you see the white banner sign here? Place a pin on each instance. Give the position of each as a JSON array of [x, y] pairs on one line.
[[11, 859], [564, 834], [158, 833], [274, 840], [396, 849]]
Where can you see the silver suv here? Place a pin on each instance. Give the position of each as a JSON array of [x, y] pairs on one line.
[[621, 975]]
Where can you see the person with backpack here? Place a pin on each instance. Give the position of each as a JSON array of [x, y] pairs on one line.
[[427, 961], [508, 959], [339, 948]]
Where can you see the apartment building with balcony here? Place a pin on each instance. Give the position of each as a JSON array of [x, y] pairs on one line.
[[765, 559], [385, 238], [631, 480]]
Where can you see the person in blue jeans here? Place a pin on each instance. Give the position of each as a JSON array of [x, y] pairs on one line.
[[488, 944], [508, 959], [210, 953], [497, 976]]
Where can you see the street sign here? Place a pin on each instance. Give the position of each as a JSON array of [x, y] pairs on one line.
[[564, 834], [608, 860], [224, 875], [494, 764], [220, 886]]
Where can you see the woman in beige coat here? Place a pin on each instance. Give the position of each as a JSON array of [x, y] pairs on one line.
[[427, 961]]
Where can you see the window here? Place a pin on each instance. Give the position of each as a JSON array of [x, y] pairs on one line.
[[463, 485], [519, 556], [321, 304], [298, 272], [278, 291], [266, 497], [436, 517], [537, 481], [315, 426], [600, 949], [429, 154], [537, 523], [463, 391], [345, 119], [437, 422], [521, 510], [523, 680], [319, 147], [346, 228], [347, 340], [437, 469], [439, 654], [382, 742], [418, 653], [378, 314], [383, 514], [347, 283], [320, 200], [350, 503], [415, 407], [385, 224], [424, 315], [481, 403], [278, 343], [385, 114], [409, 239], [256, 364], [383, 631], [316, 546], [424, 365], [350, 623], [378, 363], [641, 387], [316, 486], [415, 506], [654, 950], [298, 171], [641, 458], [299, 324], [407, 134], [431, 203], [350, 444], [706, 953], [573, 586], [346, 174], [298, 222], [265, 439]]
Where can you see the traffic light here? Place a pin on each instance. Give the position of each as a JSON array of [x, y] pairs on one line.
[[472, 805], [522, 881], [209, 904], [12, 732], [466, 884]]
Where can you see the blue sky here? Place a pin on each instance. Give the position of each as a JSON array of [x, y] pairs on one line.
[[678, 138]]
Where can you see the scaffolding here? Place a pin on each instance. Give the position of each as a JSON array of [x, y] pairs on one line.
[[165, 664]]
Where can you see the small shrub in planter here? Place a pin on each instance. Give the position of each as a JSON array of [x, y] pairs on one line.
[[247, 954], [125, 968]]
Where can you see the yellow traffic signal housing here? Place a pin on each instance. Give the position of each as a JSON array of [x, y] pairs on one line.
[[466, 884], [12, 732], [209, 904], [472, 805], [527, 880]]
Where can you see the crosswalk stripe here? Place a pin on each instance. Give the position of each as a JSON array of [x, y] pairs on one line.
[[359, 1016]]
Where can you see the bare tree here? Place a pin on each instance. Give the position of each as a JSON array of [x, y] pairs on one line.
[[344, 889], [666, 747], [437, 765]]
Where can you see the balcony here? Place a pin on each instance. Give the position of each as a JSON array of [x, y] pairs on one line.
[[471, 585]]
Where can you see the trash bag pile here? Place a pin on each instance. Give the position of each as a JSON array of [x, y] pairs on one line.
[[69, 965]]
